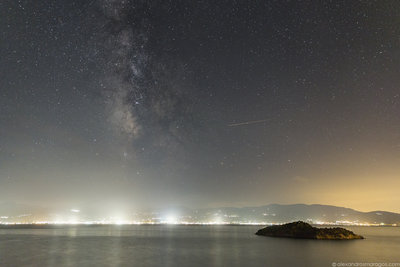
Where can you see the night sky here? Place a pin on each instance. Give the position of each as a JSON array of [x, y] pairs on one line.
[[137, 104]]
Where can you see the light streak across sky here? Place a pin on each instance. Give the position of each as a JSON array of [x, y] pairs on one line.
[[246, 123]]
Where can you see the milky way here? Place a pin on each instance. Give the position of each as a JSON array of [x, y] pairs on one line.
[[147, 99]]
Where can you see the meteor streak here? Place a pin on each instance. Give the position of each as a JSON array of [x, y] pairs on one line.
[[246, 123]]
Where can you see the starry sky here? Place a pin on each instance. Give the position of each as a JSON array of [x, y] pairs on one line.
[[136, 104]]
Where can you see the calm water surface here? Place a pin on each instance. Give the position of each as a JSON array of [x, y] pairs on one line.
[[176, 245]]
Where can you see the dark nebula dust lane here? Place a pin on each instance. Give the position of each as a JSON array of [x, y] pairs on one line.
[[136, 104]]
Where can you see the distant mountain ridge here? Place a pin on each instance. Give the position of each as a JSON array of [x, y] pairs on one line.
[[267, 214], [313, 213], [328, 213]]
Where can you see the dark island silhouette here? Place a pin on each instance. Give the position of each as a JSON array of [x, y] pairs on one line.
[[304, 230]]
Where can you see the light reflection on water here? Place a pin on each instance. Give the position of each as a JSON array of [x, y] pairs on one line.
[[179, 245]]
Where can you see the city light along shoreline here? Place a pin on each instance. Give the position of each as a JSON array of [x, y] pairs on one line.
[[79, 223]]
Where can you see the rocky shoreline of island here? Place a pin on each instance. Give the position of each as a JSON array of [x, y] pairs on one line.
[[304, 230]]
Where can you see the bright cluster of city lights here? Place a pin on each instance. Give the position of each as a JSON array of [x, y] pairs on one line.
[[172, 221], [74, 216]]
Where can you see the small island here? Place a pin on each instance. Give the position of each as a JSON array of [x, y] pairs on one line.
[[304, 230]]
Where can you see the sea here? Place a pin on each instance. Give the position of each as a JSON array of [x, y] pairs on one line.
[[189, 245]]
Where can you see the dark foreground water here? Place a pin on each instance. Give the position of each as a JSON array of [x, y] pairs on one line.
[[176, 245]]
